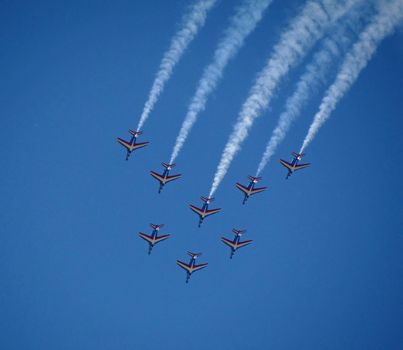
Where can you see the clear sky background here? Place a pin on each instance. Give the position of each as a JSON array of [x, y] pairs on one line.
[[325, 270]]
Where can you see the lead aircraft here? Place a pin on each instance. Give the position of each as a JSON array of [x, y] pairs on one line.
[[204, 211], [153, 239], [250, 190], [294, 166], [236, 242], [191, 267], [165, 177], [132, 145]]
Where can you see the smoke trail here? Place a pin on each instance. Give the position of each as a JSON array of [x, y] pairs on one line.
[[313, 76], [244, 21], [383, 24], [308, 27], [192, 21]]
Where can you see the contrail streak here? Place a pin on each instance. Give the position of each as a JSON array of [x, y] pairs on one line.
[[244, 21], [192, 21], [313, 76], [389, 16], [302, 33]]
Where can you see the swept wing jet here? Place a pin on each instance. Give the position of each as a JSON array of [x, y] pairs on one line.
[[132, 145], [236, 242], [165, 177], [204, 211], [294, 166], [250, 190], [153, 239], [191, 267]]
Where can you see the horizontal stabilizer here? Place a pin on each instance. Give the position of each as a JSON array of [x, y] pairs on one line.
[[254, 179], [156, 227], [135, 133], [168, 166], [194, 255], [238, 232], [298, 155], [207, 200]]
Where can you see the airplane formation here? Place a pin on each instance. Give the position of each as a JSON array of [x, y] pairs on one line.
[[154, 238]]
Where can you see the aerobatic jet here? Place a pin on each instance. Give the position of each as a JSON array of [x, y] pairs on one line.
[[236, 242], [191, 267], [132, 145], [294, 166], [153, 239], [165, 177], [250, 190], [204, 211]]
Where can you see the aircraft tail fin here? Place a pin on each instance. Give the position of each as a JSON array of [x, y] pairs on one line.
[[254, 179], [238, 232], [206, 199], [298, 155], [135, 133], [156, 227], [194, 255], [168, 166]]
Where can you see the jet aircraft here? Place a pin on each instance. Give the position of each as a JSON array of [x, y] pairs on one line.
[[153, 239], [235, 243], [132, 145], [294, 166], [204, 211], [191, 267], [165, 177], [250, 190]]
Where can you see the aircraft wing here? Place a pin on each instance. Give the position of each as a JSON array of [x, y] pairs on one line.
[[197, 210], [172, 177], [244, 243], [211, 212], [199, 267], [301, 166], [229, 243], [242, 188], [289, 166], [161, 238], [124, 143], [184, 266], [139, 145], [257, 190], [159, 177], [147, 238]]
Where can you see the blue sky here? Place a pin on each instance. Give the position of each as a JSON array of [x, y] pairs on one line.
[[326, 266]]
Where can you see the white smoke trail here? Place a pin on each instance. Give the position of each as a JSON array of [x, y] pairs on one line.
[[303, 32], [389, 16], [244, 21], [313, 76], [192, 21]]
